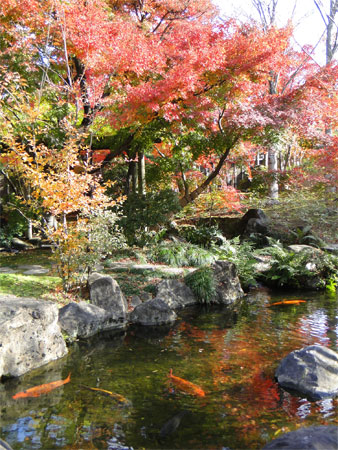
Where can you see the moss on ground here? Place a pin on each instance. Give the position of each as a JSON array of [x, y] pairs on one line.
[[27, 285]]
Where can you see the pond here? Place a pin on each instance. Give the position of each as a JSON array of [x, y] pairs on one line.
[[232, 356]]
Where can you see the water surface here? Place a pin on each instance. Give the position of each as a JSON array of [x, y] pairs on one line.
[[232, 356]]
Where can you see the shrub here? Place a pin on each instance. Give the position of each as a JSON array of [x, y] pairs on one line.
[[202, 284], [87, 241], [143, 213], [205, 236], [241, 254], [180, 254], [293, 268]]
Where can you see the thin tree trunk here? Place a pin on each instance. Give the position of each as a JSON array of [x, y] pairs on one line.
[[272, 167], [131, 181], [141, 174], [29, 229]]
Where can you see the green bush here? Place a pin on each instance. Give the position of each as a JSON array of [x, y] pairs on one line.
[[202, 284], [304, 235], [141, 214], [241, 254], [205, 236], [180, 254], [289, 268]]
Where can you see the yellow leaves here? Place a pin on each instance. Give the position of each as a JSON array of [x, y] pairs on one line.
[[109, 183], [282, 430]]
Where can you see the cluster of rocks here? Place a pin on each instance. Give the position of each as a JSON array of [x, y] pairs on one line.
[[313, 373], [39, 328], [108, 308]]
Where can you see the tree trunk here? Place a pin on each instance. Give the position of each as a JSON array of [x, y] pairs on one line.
[[190, 197], [141, 174], [272, 167], [29, 229], [131, 181]]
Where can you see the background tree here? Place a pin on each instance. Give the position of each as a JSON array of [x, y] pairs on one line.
[[330, 21]]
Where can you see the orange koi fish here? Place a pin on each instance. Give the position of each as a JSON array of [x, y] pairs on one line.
[[115, 396], [36, 391], [288, 302], [186, 386]]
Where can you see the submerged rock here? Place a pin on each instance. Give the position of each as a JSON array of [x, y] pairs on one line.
[[312, 371], [29, 334], [309, 438], [172, 424]]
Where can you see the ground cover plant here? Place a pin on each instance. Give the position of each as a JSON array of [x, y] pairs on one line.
[[292, 268], [28, 285], [202, 284]]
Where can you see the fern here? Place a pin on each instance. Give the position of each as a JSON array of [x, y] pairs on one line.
[[291, 268]]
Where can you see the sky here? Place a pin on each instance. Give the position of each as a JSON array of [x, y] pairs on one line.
[[306, 19]]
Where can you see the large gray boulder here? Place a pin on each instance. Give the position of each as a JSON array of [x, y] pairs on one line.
[[106, 294], [312, 371], [309, 438], [153, 312], [29, 335], [227, 284], [175, 294], [81, 320], [254, 221]]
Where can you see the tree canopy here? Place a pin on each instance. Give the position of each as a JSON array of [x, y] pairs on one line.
[[146, 73]]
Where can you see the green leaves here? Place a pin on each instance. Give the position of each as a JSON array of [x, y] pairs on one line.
[[202, 284], [180, 254], [293, 269]]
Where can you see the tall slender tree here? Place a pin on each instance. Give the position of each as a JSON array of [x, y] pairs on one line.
[[330, 19]]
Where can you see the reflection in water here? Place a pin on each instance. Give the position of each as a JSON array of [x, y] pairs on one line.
[[233, 357], [304, 409], [21, 430], [327, 407], [314, 327]]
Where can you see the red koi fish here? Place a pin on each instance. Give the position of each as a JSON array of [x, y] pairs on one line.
[[36, 391], [288, 302], [186, 386]]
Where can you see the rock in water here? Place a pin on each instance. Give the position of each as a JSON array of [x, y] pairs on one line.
[[106, 293], [309, 438], [227, 284], [153, 312], [172, 424], [81, 320], [175, 294], [29, 334], [312, 371]]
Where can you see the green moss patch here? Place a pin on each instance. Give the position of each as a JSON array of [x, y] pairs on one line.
[[27, 285]]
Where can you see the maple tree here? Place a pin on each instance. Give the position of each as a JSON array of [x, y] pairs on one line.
[[149, 72]]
